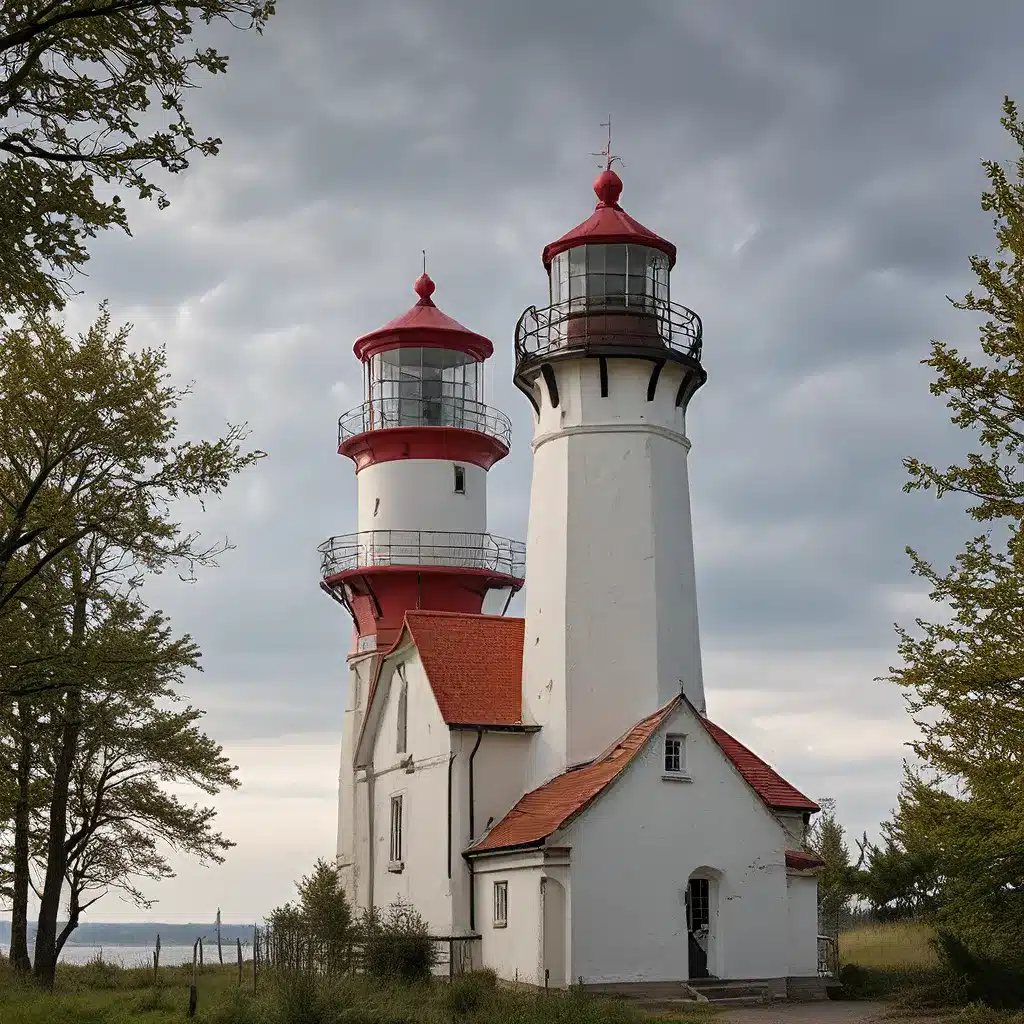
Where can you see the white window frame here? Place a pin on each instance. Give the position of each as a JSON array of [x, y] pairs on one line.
[[397, 827], [501, 904], [673, 766]]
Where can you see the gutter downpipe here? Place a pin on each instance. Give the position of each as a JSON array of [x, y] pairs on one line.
[[472, 834], [369, 828], [451, 766]]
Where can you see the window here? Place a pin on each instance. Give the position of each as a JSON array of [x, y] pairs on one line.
[[460, 479], [403, 715], [675, 755], [396, 830], [500, 904]]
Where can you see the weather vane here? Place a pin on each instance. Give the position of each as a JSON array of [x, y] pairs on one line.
[[607, 151]]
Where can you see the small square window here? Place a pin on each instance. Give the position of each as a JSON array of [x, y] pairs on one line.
[[675, 755], [460, 479], [500, 904]]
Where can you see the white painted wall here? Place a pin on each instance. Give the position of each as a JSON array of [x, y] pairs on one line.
[[419, 494], [514, 952], [802, 902], [360, 671], [635, 849], [423, 880], [611, 604]]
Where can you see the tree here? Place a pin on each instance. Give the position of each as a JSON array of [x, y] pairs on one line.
[[76, 79], [87, 450], [964, 679], [827, 841]]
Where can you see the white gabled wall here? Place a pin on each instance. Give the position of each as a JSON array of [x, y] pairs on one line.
[[635, 849], [611, 604], [423, 880]]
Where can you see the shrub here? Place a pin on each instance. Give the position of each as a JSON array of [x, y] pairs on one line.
[[973, 977], [397, 943], [466, 994]]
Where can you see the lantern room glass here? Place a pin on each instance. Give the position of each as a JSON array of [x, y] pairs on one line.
[[415, 387], [605, 277]]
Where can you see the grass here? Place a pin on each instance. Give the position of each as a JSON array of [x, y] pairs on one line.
[[100, 993], [901, 946]]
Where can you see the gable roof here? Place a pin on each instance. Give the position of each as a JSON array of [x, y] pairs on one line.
[[474, 664], [550, 807], [545, 810], [769, 785]]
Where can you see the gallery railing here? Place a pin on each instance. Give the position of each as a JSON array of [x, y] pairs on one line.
[[447, 411], [423, 547], [580, 322]]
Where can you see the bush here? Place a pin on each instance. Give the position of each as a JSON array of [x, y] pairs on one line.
[[974, 977], [468, 993], [397, 944]]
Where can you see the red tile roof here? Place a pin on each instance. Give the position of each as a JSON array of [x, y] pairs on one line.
[[474, 664], [769, 785], [548, 808], [801, 861]]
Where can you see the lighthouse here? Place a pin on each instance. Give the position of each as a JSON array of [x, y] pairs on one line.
[[609, 365], [422, 442]]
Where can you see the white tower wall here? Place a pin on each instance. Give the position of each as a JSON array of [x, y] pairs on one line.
[[611, 606], [419, 494]]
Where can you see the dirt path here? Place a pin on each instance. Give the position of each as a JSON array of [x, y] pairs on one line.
[[833, 1012]]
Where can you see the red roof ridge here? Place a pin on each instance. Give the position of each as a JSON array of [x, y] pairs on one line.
[[435, 613], [769, 785], [551, 806]]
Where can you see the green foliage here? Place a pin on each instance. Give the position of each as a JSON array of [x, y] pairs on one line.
[[89, 452], [964, 678], [397, 943], [974, 977], [827, 841], [76, 79]]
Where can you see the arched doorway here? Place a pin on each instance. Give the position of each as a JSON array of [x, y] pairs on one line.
[[553, 923], [703, 945]]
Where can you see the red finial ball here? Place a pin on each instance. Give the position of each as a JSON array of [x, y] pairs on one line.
[[608, 187], [424, 287]]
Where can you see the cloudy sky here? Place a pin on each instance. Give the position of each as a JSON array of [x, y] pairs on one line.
[[818, 166]]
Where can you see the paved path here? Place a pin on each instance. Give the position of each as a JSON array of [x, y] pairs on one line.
[[831, 1012]]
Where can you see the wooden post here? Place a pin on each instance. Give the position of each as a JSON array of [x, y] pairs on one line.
[[255, 955], [156, 959], [220, 952], [239, 941], [200, 941], [193, 994]]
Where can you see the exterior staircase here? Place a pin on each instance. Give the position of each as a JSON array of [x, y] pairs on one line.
[[673, 996]]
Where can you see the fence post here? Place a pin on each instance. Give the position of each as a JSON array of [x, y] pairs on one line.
[[220, 952], [156, 959], [239, 941], [193, 994], [255, 955], [200, 940]]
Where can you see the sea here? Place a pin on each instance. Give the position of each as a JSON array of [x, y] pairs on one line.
[[142, 956]]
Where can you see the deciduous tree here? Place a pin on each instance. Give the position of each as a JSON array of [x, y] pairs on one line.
[[77, 80], [964, 678]]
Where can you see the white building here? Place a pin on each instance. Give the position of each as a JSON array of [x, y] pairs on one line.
[[552, 786]]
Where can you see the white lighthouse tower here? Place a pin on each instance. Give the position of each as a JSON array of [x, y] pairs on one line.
[[422, 442], [609, 367]]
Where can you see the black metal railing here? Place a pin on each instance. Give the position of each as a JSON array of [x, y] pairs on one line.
[[446, 411], [579, 323], [423, 547]]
